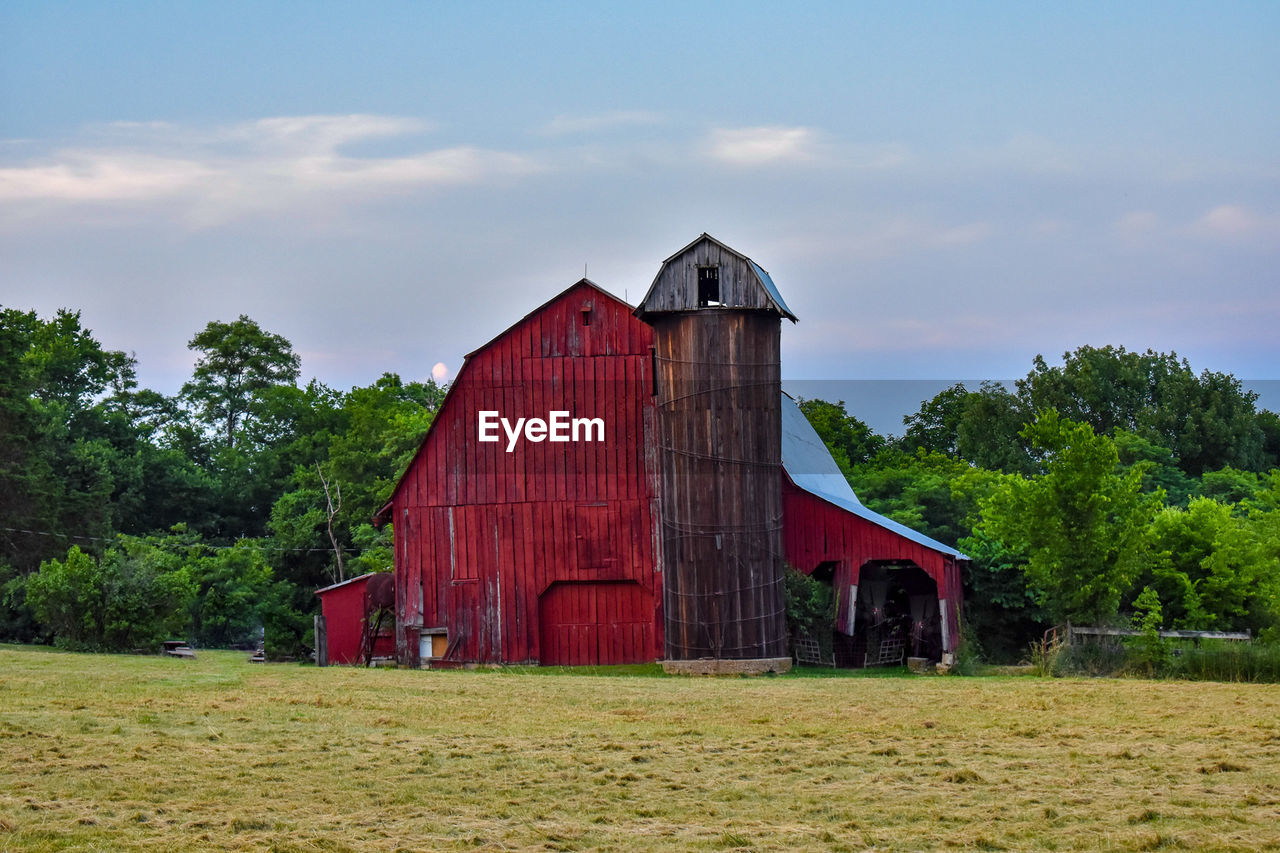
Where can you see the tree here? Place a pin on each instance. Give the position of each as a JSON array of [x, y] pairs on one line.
[[373, 434], [1208, 421], [850, 441], [130, 598], [1159, 467], [980, 426], [935, 428], [238, 361], [1082, 522], [1214, 569]]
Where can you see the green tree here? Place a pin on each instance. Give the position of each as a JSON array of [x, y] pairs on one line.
[[1081, 522], [1153, 650], [981, 427], [234, 591], [238, 361], [1159, 467], [936, 427], [375, 432], [1208, 421], [850, 441], [128, 599], [1213, 569]]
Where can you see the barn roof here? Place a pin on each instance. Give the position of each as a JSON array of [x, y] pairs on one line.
[[810, 466]]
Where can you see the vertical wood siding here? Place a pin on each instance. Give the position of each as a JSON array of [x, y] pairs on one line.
[[343, 607], [815, 531], [483, 535], [676, 286], [720, 434]]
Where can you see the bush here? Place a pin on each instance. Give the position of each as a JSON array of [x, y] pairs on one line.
[[1228, 661], [1092, 659], [1149, 651], [124, 601], [811, 610]]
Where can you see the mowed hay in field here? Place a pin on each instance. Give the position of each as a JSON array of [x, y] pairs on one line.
[[112, 753]]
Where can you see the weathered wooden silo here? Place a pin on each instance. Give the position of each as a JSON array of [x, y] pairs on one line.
[[716, 317]]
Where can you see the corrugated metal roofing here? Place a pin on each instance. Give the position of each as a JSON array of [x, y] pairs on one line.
[[809, 465], [772, 288]]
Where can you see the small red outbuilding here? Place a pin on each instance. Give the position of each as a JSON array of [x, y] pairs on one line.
[[345, 610]]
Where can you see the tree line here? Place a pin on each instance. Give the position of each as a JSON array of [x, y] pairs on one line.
[[1083, 488], [128, 516]]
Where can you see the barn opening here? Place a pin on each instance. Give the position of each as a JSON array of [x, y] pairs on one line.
[[588, 623], [709, 287], [897, 617]]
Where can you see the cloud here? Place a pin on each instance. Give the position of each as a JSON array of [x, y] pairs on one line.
[[565, 125], [224, 172], [1232, 222], [102, 176], [757, 146]]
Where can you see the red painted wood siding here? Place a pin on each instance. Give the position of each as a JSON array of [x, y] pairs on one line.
[[815, 531], [481, 534], [609, 622], [343, 609]]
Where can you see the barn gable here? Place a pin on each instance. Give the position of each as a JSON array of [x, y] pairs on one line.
[[708, 274], [534, 549]]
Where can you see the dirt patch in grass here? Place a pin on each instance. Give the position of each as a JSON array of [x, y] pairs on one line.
[[122, 753]]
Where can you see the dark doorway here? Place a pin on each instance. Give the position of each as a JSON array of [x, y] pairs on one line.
[[897, 617]]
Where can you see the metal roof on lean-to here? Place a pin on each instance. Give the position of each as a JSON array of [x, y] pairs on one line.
[[810, 466]]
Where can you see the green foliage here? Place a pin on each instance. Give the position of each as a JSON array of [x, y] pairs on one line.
[[811, 609], [980, 427], [1228, 661], [850, 441], [238, 361], [1214, 569], [1082, 522], [930, 492], [128, 599], [1000, 608], [1153, 652], [1159, 467], [1208, 421], [235, 588], [1229, 485]]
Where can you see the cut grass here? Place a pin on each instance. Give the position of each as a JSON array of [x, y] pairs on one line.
[[148, 753]]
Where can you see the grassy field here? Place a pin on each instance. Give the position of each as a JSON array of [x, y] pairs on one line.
[[121, 753]]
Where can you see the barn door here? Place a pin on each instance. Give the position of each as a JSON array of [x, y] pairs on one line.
[[598, 622]]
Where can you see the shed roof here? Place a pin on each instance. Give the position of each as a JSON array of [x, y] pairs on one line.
[[810, 466], [347, 582]]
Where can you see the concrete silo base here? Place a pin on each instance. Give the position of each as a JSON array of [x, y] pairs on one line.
[[713, 666]]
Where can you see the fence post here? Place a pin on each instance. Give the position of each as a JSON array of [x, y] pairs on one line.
[[322, 641]]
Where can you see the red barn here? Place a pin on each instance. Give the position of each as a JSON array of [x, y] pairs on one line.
[[608, 485]]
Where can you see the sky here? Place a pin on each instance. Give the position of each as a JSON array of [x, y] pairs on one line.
[[939, 190]]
